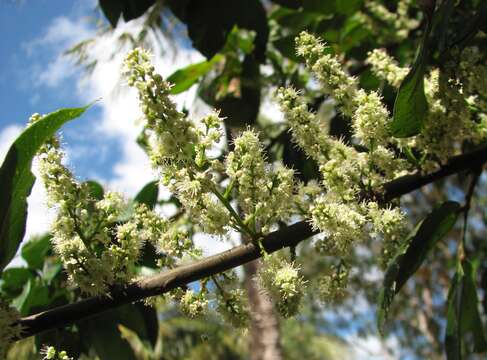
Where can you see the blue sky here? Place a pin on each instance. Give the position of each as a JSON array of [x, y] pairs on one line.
[[28, 85], [35, 76]]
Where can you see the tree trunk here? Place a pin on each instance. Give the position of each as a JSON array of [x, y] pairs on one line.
[[264, 324]]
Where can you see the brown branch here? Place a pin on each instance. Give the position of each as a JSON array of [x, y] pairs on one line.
[[183, 275]]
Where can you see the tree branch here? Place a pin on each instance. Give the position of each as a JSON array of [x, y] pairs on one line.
[[183, 275]]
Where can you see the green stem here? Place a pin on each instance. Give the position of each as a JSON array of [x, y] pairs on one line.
[[233, 213]]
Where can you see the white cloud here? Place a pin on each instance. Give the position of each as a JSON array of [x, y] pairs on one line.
[[61, 35], [7, 137]]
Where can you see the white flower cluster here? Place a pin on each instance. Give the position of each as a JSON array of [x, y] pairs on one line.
[[386, 68], [264, 194], [346, 172], [391, 26], [193, 304], [457, 107], [284, 283], [50, 353], [233, 307], [9, 330], [96, 248], [179, 148], [333, 287]]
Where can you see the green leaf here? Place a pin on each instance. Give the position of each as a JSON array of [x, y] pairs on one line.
[[463, 315], [209, 23], [14, 279], [320, 6], [141, 349], [96, 190], [348, 7], [35, 250], [131, 9], [186, 77], [112, 9], [34, 295], [410, 106], [17, 179], [103, 334], [286, 46], [148, 195], [412, 254]]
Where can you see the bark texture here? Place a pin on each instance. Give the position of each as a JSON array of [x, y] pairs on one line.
[[264, 324]]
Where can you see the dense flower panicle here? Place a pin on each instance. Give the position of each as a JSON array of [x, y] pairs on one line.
[[284, 283], [50, 353], [193, 304], [370, 120], [100, 245], [9, 329], [265, 194], [306, 193], [333, 287], [95, 251], [398, 24], [386, 68], [328, 70], [233, 308], [179, 148], [342, 223], [306, 130], [390, 226]]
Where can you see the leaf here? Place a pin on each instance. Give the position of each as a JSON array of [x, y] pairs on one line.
[[130, 9], [186, 77], [112, 10], [410, 106], [35, 250], [14, 279], [286, 46], [141, 349], [320, 6], [463, 315], [148, 195], [348, 7], [209, 23], [101, 331], [33, 295], [96, 190], [17, 180], [410, 257]]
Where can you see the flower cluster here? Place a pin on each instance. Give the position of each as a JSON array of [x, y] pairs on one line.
[[386, 68], [100, 246], [393, 26], [97, 250], [336, 209], [333, 287], [264, 194], [178, 148], [457, 111], [284, 283], [50, 353], [233, 308], [193, 304]]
